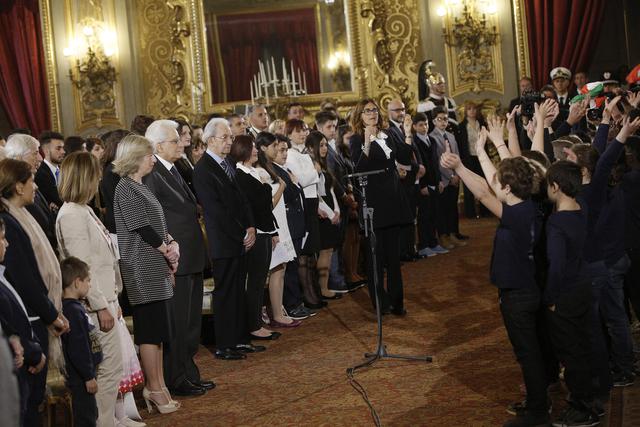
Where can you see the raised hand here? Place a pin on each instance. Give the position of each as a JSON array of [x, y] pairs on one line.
[[628, 128], [496, 130], [609, 106], [481, 142], [542, 110], [407, 124], [634, 99], [577, 111], [511, 118], [552, 114], [449, 160]]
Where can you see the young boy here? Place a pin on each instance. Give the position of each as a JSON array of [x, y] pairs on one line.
[[449, 185], [512, 266], [568, 292], [28, 356], [81, 347]]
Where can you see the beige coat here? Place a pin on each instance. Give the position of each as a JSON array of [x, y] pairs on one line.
[[81, 234]]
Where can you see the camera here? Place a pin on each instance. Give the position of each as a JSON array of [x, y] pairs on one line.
[[528, 101], [594, 114]]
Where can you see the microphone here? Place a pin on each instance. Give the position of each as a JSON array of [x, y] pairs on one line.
[[359, 174]]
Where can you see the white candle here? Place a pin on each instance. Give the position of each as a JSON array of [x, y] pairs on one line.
[[304, 79], [293, 77], [273, 66], [255, 83], [299, 80], [251, 87], [268, 73], [262, 74], [284, 70]]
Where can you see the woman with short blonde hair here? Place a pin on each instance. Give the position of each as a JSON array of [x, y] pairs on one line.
[[80, 182], [131, 151]]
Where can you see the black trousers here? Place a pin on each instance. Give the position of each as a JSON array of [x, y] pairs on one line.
[[519, 308], [37, 383], [632, 281], [388, 259], [408, 231], [178, 356], [229, 275], [427, 216], [258, 260], [292, 295], [569, 326], [448, 211], [85, 409]]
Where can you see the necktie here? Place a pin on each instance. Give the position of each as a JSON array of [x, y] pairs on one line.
[[228, 169], [57, 175], [178, 177], [561, 100]]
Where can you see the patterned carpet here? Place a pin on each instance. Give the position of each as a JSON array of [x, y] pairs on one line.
[[452, 315]]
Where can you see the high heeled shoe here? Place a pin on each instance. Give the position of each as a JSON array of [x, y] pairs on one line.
[[166, 393], [167, 408]]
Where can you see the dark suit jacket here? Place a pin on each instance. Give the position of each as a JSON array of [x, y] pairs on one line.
[[15, 322], [462, 138], [293, 200], [23, 274], [260, 200], [408, 156], [40, 211], [108, 186], [429, 156], [227, 213], [336, 165], [47, 184], [186, 172], [180, 212], [391, 207]]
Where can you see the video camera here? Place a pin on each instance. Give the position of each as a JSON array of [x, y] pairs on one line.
[[528, 101]]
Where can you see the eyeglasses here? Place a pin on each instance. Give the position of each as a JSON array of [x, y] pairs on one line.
[[174, 141], [370, 111], [224, 137], [397, 110], [442, 119]]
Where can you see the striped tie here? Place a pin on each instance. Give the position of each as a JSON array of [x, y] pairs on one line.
[[228, 169]]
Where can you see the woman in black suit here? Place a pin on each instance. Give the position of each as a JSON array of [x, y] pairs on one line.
[[244, 152], [372, 150]]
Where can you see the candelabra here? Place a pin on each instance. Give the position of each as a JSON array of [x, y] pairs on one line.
[[266, 83], [470, 34]]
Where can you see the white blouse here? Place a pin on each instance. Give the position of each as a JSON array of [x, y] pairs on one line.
[[301, 165]]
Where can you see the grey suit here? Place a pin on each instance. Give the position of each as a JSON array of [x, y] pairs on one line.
[[180, 210]]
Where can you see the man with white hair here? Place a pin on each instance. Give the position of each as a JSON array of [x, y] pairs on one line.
[[231, 234], [181, 213], [24, 147], [258, 120]]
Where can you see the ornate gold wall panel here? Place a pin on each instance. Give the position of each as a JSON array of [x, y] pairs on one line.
[[384, 38], [522, 39], [50, 65]]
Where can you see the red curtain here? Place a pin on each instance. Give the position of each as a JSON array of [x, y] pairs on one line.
[[561, 34], [23, 81], [243, 39]]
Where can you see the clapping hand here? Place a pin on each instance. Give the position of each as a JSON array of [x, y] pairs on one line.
[[628, 128], [481, 142], [577, 111], [634, 99], [544, 110], [449, 160], [511, 118], [609, 108], [407, 124]]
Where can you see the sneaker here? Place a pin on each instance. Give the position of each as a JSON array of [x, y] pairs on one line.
[[573, 417], [528, 419], [298, 313], [428, 252], [518, 408], [339, 289], [623, 380], [439, 250]]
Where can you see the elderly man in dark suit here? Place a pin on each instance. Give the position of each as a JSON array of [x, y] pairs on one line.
[[231, 234], [180, 210]]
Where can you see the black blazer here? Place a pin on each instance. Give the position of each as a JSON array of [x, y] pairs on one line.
[[47, 185], [391, 207], [429, 156], [293, 200], [407, 156], [181, 214], [186, 172], [259, 196], [462, 138], [40, 211], [227, 213], [108, 186], [22, 272], [338, 168], [15, 322]]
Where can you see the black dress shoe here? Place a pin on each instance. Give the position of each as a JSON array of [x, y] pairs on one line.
[[354, 286], [249, 348], [229, 354], [461, 236], [187, 389], [336, 296], [317, 306], [273, 336], [207, 385], [399, 311]]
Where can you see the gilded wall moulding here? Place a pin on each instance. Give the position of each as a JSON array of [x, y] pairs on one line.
[[394, 35], [50, 65], [165, 30], [522, 38]]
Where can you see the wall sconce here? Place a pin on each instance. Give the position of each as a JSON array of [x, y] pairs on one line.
[[92, 51], [466, 29], [340, 65]]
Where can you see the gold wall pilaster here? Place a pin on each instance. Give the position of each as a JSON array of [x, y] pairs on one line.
[[50, 65], [521, 38]]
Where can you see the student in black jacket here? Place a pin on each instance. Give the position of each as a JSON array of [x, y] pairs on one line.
[[258, 193], [82, 352]]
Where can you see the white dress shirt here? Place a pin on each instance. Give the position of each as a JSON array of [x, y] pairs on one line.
[[301, 165]]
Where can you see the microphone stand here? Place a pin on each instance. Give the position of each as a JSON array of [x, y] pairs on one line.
[[367, 215]]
